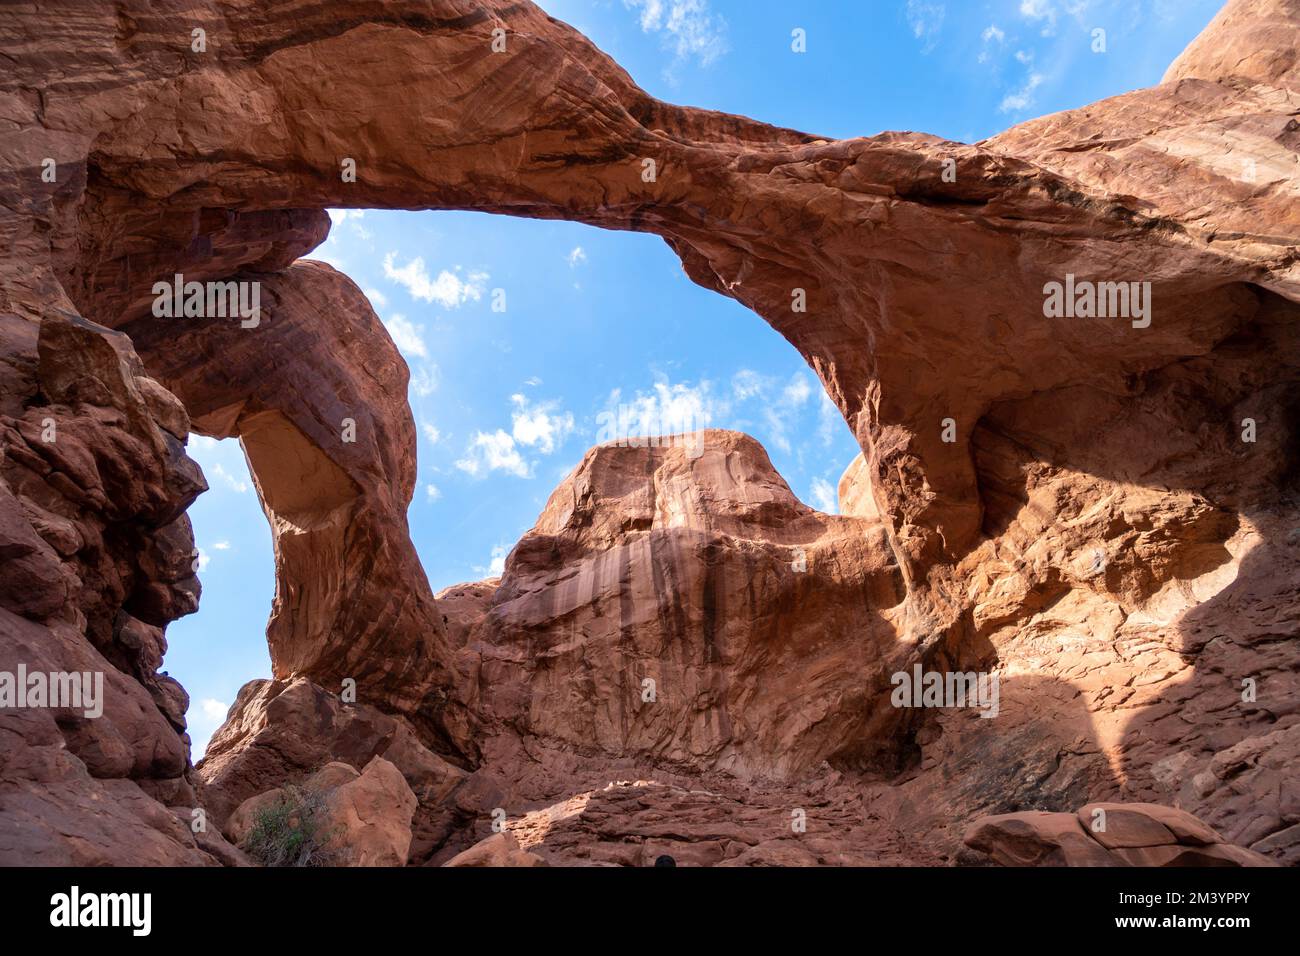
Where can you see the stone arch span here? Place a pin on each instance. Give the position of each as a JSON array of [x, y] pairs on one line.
[[924, 291]]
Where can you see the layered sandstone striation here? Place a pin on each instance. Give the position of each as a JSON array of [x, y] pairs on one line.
[[1098, 534]]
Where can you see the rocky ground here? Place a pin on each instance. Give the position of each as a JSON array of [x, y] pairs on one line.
[[1098, 535]]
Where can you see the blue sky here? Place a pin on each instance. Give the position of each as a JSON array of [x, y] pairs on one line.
[[506, 402]]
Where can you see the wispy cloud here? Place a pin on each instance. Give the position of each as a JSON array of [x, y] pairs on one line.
[[687, 27], [1047, 12], [493, 451], [925, 17], [828, 419], [352, 217], [669, 408], [540, 426], [424, 379], [222, 461], [229, 480], [824, 497], [450, 289], [993, 37], [576, 256], [407, 336], [497, 565], [1023, 98], [781, 404], [203, 719]]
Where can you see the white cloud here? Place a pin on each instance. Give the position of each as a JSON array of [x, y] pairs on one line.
[[1047, 13], [776, 429], [493, 451], [203, 558], [424, 381], [1037, 9], [746, 384], [497, 566], [828, 417], [925, 17], [432, 492], [687, 27], [221, 546], [407, 336], [671, 409], [1022, 98], [780, 404], [798, 391], [431, 432], [576, 256], [377, 298], [202, 719], [353, 217], [222, 462], [539, 425], [993, 36], [230, 481], [534, 381], [824, 498], [449, 290]]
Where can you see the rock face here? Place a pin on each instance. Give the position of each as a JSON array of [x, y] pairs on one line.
[[324, 371], [280, 733], [366, 818], [500, 850], [691, 611], [1070, 504], [97, 558], [1106, 834]]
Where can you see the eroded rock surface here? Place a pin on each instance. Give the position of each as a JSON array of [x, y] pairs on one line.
[[1099, 534], [97, 558], [1108, 834], [364, 819]]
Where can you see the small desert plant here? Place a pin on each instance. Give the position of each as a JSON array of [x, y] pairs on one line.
[[293, 831]]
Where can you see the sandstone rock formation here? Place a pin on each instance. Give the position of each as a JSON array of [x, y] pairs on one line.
[[690, 610], [365, 818], [1107, 834], [500, 850], [97, 558], [1098, 535], [281, 733]]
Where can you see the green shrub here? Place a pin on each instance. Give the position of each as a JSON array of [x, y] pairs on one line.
[[293, 832]]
